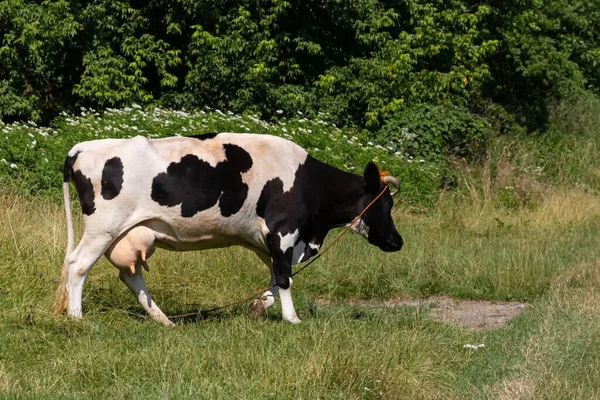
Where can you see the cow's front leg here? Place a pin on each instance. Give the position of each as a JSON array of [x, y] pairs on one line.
[[282, 272], [280, 264]]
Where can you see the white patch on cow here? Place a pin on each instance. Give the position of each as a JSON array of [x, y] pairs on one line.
[[268, 299], [287, 241], [314, 246], [361, 228], [299, 251]]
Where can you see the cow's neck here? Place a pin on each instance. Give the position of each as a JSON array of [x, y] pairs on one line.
[[339, 197]]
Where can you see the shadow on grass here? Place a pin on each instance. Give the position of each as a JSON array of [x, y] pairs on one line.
[[194, 313]]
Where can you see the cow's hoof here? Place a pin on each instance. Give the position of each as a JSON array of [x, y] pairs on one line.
[[257, 308], [293, 319], [166, 322]]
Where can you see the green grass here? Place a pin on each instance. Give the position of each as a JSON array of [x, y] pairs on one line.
[[524, 225], [547, 256]]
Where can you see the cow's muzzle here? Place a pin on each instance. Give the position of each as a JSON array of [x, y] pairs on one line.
[[394, 244]]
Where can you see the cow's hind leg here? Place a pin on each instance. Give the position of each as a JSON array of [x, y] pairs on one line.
[[80, 262], [267, 299], [136, 283]]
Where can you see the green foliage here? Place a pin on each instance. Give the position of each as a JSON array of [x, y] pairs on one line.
[[548, 48], [553, 159], [124, 61], [436, 132], [577, 113], [365, 63], [33, 61]]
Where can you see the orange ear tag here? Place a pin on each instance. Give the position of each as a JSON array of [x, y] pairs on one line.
[[383, 173]]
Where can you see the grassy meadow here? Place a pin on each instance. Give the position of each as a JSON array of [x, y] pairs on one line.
[[512, 228]]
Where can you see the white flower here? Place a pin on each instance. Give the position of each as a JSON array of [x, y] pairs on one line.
[[474, 346], [13, 166]]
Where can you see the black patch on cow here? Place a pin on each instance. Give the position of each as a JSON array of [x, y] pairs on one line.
[[197, 186], [319, 197], [272, 188], [112, 178], [68, 168], [85, 190], [84, 186], [205, 136], [237, 158]]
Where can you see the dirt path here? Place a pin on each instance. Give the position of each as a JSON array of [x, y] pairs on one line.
[[472, 314]]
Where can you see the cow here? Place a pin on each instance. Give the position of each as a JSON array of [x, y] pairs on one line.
[[262, 192]]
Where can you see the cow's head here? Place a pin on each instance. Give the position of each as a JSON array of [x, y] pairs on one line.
[[376, 224]]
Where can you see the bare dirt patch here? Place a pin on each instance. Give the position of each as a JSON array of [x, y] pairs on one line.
[[471, 314]]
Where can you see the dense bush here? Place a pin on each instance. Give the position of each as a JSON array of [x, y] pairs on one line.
[[363, 63]]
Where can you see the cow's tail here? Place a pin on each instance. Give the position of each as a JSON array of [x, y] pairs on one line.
[[62, 295]]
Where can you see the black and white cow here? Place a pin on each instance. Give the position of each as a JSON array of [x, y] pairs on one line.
[[214, 190]]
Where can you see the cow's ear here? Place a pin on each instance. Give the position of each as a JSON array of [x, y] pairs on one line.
[[371, 176]]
